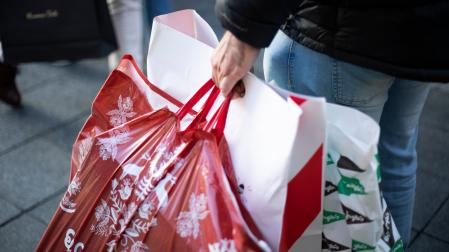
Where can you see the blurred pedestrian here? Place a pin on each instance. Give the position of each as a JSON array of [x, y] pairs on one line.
[[50, 31], [127, 17], [375, 56], [9, 93]]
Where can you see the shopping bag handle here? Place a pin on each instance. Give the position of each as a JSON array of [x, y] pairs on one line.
[[207, 106], [182, 112], [153, 87], [217, 123]]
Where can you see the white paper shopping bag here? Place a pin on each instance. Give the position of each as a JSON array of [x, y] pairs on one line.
[[277, 145], [355, 215]]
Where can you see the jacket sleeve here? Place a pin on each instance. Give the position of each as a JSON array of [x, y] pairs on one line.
[[254, 21]]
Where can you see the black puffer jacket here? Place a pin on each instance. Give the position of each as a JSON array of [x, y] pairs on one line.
[[403, 38]]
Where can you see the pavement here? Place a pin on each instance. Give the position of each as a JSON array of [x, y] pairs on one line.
[[35, 148]]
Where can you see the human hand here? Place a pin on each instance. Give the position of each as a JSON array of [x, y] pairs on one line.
[[231, 60]]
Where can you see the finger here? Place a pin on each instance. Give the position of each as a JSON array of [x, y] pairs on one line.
[[215, 68], [227, 83], [224, 66], [217, 64], [236, 75], [228, 64]]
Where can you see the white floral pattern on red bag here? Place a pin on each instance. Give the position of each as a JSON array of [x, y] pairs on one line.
[[67, 203], [118, 117], [108, 146], [108, 222], [125, 110], [84, 148], [223, 245], [131, 228], [188, 222], [108, 149]]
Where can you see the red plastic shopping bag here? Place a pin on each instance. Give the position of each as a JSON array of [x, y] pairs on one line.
[[143, 184]]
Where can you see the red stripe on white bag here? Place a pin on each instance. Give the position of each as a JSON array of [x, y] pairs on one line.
[[298, 100], [303, 202]]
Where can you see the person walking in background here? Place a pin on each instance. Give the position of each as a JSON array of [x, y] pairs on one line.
[[127, 18], [376, 56], [53, 32], [9, 93]]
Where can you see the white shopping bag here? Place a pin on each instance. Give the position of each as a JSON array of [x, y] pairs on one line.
[[355, 216], [353, 174], [277, 145], [352, 170]]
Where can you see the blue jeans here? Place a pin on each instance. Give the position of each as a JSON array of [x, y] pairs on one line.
[[393, 102]]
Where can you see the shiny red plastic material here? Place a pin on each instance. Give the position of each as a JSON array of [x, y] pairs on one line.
[[140, 183]]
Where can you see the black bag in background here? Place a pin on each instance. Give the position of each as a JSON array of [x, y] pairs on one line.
[[48, 30]]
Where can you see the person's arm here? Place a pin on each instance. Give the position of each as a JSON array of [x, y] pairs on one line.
[[250, 25], [254, 22]]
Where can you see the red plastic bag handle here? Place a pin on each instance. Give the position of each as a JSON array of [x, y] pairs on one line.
[[153, 87], [208, 104], [182, 112], [217, 123]]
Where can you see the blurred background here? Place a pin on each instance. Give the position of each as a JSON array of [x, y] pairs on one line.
[[36, 140]]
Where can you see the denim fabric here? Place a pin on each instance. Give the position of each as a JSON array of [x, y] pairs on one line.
[[395, 103]]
